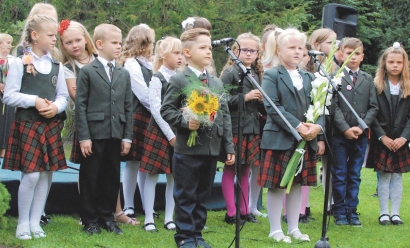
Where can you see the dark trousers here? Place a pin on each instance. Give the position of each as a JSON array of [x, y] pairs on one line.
[[348, 157], [100, 181], [193, 176]]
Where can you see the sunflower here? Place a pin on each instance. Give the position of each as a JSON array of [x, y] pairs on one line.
[[213, 104], [198, 105]]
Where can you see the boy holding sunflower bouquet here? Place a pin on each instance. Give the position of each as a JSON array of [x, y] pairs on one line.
[[189, 106]]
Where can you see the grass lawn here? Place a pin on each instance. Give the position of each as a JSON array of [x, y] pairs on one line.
[[64, 231]]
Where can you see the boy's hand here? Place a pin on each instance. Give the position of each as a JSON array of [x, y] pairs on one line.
[[125, 148], [86, 146], [351, 134], [311, 133], [49, 111], [172, 141], [193, 124], [357, 130], [397, 144], [230, 159], [321, 148]]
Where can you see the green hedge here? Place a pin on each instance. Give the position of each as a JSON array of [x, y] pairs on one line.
[[4, 205]]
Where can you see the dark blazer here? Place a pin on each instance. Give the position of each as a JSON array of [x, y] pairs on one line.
[[103, 109], [362, 97], [278, 86], [387, 124], [230, 76], [209, 142]]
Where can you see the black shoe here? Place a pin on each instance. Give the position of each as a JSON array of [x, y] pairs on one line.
[[155, 230], [44, 220], [200, 242], [396, 222], [129, 215], [303, 219], [309, 214], [231, 220], [249, 218], [155, 215], [285, 218], [353, 218], [189, 243], [341, 220], [91, 228], [384, 222], [112, 226]]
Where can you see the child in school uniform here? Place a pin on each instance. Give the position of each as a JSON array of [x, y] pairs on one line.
[[36, 86], [389, 151], [289, 88], [194, 166], [160, 137], [135, 57], [103, 108], [248, 52], [349, 140]]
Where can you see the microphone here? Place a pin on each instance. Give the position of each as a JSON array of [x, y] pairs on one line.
[[314, 53], [220, 42]]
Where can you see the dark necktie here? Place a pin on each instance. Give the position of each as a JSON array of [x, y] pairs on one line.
[[111, 69], [203, 79], [354, 76]]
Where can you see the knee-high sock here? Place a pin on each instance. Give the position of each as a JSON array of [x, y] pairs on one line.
[[383, 189], [169, 198], [50, 181], [149, 196], [129, 182], [396, 192], [39, 200], [228, 178], [293, 200], [141, 184], [305, 199], [254, 190], [274, 199], [26, 190]]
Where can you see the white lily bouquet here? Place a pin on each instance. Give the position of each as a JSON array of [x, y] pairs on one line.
[[320, 99]]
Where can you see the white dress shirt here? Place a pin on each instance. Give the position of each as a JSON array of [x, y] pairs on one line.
[[12, 94], [138, 85], [69, 74], [154, 91]]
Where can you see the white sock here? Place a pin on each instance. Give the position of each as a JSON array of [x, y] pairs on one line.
[[26, 194], [293, 202], [129, 182], [383, 188], [149, 200], [169, 199], [274, 207], [396, 194], [50, 181], [254, 191], [39, 200], [141, 184]]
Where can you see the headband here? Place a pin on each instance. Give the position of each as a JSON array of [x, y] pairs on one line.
[[63, 26]]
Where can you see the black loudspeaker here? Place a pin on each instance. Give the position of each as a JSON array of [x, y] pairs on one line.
[[341, 19]]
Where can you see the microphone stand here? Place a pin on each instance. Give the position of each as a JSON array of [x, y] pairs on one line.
[[323, 242], [241, 107]]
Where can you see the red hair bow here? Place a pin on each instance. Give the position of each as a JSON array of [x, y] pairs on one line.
[[63, 26]]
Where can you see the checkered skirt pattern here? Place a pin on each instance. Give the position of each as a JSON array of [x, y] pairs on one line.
[[76, 154], [273, 166], [141, 121], [387, 161], [35, 147], [250, 149], [157, 154]]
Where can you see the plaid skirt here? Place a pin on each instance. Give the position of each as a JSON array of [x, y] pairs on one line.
[[141, 121], [273, 166], [157, 155], [76, 155], [387, 161], [35, 147], [250, 149]]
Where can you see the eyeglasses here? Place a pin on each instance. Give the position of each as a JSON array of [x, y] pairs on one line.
[[251, 51]]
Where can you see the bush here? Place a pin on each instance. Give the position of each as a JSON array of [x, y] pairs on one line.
[[4, 205]]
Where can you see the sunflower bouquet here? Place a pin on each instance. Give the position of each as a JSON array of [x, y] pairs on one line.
[[201, 104]]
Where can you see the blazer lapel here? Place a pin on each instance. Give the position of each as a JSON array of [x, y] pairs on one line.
[[307, 86], [359, 79], [386, 92], [347, 78], [285, 78], [101, 71], [116, 75]]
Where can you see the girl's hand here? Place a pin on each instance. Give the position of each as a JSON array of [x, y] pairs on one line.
[[253, 95], [2, 86], [321, 148], [86, 146], [49, 111], [397, 144], [40, 103], [313, 130], [387, 142]]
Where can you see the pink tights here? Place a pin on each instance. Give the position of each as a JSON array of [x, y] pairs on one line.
[[305, 200], [228, 189]]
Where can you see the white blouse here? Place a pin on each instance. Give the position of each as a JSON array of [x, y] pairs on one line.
[[138, 85], [154, 93]]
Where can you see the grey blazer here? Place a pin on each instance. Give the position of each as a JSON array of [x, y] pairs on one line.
[[103, 109], [361, 96], [278, 86], [250, 121], [387, 124], [209, 142]]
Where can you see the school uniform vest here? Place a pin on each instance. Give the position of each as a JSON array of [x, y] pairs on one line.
[[43, 86], [147, 74], [70, 67]]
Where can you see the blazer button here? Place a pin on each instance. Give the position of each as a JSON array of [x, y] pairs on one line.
[[113, 103], [113, 117], [112, 90]]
